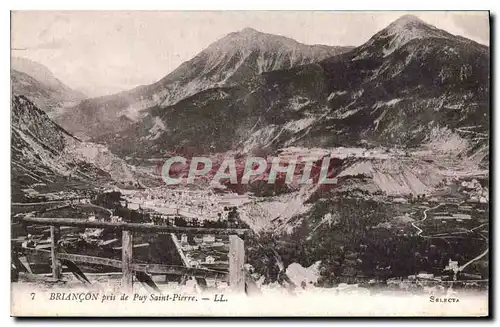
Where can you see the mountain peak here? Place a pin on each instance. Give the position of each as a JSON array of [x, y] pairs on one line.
[[403, 30], [249, 39], [35, 70], [406, 20], [410, 23], [248, 30]]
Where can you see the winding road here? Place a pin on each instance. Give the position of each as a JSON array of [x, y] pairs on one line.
[[420, 231]]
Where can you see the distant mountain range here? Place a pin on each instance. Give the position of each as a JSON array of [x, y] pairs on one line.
[[37, 83], [410, 84], [229, 61]]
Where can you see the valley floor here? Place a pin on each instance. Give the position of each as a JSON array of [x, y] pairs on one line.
[[439, 204]]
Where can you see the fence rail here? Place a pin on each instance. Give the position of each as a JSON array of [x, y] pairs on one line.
[[151, 268], [132, 226]]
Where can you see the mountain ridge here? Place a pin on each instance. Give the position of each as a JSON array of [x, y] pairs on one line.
[[43, 153], [217, 65], [431, 84], [38, 83]]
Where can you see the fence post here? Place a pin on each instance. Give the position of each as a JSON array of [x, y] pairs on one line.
[[127, 246], [54, 247], [236, 262]]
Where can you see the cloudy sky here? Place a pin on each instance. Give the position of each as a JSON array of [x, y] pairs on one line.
[[101, 52]]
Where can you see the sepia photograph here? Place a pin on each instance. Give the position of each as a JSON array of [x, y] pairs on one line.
[[250, 163]]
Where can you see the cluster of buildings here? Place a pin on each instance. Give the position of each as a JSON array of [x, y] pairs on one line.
[[200, 249], [475, 191], [186, 203], [431, 282], [69, 195], [184, 207]]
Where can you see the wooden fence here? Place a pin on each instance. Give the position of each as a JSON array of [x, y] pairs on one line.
[[235, 277]]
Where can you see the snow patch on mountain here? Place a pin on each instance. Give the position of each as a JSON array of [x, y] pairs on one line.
[[260, 137], [380, 104], [297, 103], [298, 125], [376, 122], [344, 114], [157, 129], [336, 94], [444, 140]]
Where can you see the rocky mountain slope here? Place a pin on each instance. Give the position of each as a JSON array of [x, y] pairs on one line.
[[38, 84], [43, 153], [231, 60], [410, 85]]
